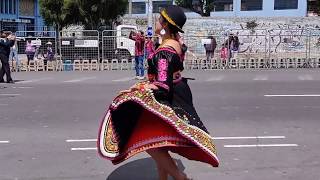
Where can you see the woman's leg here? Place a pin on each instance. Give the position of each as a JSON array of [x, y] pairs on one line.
[[166, 164], [163, 175]]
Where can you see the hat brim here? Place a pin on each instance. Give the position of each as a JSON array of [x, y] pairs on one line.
[[170, 21]]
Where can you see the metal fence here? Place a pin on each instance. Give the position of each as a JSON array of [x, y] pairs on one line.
[[111, 50], [39, 39], [79, 45]]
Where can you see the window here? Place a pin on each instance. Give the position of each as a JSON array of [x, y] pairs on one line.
[[138, 7], [251, 5], [14, 6], [6, 7], [158, 5], [223, 5], [26, 7], [10, 7], [285, 4], [1, 6]]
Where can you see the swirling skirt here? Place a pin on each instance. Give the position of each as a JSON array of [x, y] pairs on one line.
[[136, 121]]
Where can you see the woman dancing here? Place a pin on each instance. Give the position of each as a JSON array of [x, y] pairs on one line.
[[157, 115]]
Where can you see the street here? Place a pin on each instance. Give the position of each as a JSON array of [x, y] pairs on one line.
[[265, 124]]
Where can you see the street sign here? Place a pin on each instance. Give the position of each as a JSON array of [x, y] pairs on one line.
[[149, 31]]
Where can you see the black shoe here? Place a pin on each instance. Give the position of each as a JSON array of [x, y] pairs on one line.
[[11, 82], [1, 81]]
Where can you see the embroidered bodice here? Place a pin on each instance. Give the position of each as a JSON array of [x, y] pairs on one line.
[[164, 68]]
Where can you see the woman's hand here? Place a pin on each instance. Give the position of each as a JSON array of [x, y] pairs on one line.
[[139, 87], [151, 86]]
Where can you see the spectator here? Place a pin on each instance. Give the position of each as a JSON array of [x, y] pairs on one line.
[[6, 42], [229, 45], [210, 48], [50, 54], [149, 47], [235, 44], [30, 50], [224, 54], [139, 48], [14, 54]]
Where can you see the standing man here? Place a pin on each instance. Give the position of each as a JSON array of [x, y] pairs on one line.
[[14, 55], [210, 48], [139, 53], [7, 40]]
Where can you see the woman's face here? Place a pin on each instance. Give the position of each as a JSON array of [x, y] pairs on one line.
[[159, 25]]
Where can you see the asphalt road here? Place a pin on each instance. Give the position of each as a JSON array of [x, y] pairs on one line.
[[266, 125]]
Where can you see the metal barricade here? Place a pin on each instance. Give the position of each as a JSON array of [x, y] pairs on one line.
[[196, 55], [251, 51], [117, 49], [79, 45], [287, 46], [314, 48]]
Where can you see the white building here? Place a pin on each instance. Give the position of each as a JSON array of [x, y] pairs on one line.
[[238, 8]]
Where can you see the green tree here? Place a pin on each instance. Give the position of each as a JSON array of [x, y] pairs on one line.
[[95, 13], [53, 13], [202, 7], [92, 14]]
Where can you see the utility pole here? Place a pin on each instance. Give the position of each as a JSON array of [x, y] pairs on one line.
[[130, 7], [150, 12]]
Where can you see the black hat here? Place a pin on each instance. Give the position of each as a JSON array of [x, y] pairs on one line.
[[175, 16]]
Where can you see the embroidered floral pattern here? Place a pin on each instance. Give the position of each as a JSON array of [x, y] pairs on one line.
[[147, 100], [162, 70]]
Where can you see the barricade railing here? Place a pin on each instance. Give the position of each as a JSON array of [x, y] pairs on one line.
[[113, 50]]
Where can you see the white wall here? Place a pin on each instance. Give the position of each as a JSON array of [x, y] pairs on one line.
[[268, 10]]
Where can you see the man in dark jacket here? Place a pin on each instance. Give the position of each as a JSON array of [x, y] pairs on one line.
[[210, 48], [6, 42]]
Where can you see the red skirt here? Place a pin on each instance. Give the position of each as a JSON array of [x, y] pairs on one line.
[[124, 132]]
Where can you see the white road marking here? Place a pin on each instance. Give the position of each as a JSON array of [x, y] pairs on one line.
[[81, 140], [292, 95], [261, 78], [123, 79], [22, 87], [249, 137], [305, 78], [4, 142], [80, 79], [10, 94], [34, 80], [84, 149], [260, 145], [216, 78]]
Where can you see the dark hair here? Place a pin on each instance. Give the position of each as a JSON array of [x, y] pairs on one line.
[[174, 30]]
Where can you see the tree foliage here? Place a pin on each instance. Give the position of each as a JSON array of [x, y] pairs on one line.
[[202, 7], [92, 14], [53, 12]]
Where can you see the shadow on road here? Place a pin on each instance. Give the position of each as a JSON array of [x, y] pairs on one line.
[[142, 169]]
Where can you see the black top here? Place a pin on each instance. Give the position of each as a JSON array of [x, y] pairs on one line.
[[161, 69], [5, 46]]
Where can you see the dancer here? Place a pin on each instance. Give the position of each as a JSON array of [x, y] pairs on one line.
[[157, 116]]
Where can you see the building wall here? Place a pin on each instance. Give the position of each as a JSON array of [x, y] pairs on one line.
[[20, 15], [233, 9]]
